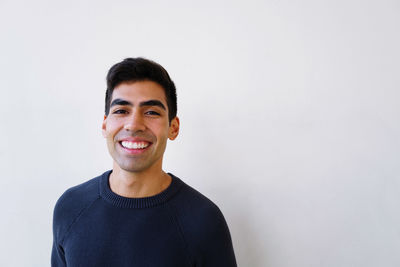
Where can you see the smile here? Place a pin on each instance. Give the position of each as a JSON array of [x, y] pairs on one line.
[[135, 145]]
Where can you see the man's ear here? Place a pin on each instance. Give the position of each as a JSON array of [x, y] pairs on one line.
[[173, 129], [103, 126]]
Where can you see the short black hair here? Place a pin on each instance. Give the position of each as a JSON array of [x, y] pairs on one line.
[[141, 69]]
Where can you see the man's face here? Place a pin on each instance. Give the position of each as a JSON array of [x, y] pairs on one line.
[[137, 127]]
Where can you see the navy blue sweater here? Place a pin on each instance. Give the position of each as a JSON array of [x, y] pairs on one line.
[[93, 226]]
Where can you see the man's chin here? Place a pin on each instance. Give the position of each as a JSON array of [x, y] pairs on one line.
[[133, 167]]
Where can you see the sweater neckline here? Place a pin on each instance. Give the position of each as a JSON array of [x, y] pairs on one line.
[[138, 203]]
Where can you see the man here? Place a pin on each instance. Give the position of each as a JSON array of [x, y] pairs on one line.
[[136, 214]]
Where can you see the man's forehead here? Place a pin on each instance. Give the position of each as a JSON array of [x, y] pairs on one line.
[[139, 91]]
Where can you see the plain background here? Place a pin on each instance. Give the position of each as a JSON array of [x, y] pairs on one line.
[[289, 118]]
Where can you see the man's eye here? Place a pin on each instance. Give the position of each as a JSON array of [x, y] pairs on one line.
[[151, 112], [119, 111]]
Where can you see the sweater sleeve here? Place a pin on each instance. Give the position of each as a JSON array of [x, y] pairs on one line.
[[67, 209], [214, 246], [57, 256], [204, 230], [57, 253]]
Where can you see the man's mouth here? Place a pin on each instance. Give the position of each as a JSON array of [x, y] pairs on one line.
[[135, 145]]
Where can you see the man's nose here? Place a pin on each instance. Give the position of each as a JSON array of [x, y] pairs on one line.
[[135, 123]]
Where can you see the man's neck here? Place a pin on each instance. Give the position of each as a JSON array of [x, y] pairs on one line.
[[138, 184]]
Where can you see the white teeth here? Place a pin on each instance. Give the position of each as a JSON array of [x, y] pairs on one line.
[[134, 145]]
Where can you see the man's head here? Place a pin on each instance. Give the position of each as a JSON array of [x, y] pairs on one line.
[[139, 119], [140, 69]]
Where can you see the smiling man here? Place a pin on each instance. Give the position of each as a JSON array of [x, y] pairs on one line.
[[136, 214]]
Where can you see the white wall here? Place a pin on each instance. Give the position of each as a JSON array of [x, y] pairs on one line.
[[289, 113]]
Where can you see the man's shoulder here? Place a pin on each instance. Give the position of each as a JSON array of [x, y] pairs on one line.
[[80, 193], [203, 228], [194, 199], [72, 202], [194, 208]]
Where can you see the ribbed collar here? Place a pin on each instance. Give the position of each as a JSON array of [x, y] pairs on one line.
[[137, 203]]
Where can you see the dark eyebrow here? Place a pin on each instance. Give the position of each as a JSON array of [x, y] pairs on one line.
[[122, 102], [152, 103]]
